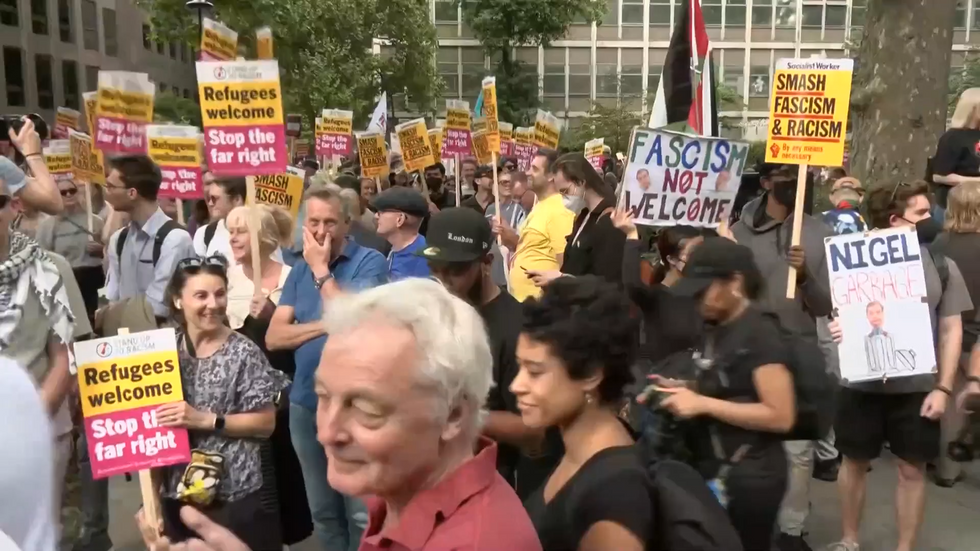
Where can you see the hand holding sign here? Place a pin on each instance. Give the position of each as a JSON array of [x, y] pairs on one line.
[[622, 220], [797, 260], [182, 415]]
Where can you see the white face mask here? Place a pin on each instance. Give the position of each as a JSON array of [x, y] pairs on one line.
[[574, 203]]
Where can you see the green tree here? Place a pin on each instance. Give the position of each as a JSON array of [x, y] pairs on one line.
[[960, 81], [613, 124], [324, 48], [168, 107], [501, 25]]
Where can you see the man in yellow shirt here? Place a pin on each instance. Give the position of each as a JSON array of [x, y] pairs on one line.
[[539, 243]]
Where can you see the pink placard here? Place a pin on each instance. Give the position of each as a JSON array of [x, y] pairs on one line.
[[181, 182], [128, 441], [507, 148], [456, 142], [335, 144], [246, 150], [114, 135]]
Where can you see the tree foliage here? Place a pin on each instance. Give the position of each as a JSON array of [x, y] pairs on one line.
[[168, 107], [501, 25], [324, 47], [962, 80]]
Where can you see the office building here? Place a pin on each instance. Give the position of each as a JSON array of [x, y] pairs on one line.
[[53, 51]]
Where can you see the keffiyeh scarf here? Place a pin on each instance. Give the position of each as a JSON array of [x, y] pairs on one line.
[[28, 270]]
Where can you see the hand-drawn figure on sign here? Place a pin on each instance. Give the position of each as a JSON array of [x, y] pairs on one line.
[[879, 346]]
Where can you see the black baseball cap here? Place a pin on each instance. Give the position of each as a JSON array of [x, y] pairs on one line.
[[401, 199], [716, 258], [457, 235], [483, 171]]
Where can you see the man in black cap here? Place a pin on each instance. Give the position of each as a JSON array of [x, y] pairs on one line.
[[399, 212], [483, 179], [458, 253]]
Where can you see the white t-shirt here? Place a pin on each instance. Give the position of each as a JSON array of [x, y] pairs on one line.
[[221, 244], [26, 463]]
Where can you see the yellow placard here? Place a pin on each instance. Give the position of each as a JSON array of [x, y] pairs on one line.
[[458, 117], [218, 42], [490, 113], [414, 139], [65, 119], [135, 381], [547, 130], [523, 135], [506, 131], [435, 142], [808, 111], [281, 190], [479, 124], [263, 43], [175, 152], [373, 153], [129, 106], [91, 104], [86, 160], [241, 104], [336, 124], [481, 148]]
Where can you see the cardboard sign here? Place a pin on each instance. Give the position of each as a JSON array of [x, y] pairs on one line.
[[524, 147], [435, 142], [481, 147], [547, 130], [241, 111], [878, 288], [677, 179], [808, 111], [86, 161], [490, 113], [506, 138], [175, 149], [413, 137], [218, 42], [593, 152], [263, 43], [91, 100], [121, 382], [282, 190], [336, 129], [65, 119], [57, 155], [479, 125], [125, 107], [294, 125], [457, 128], [373, 153], [303, 148]]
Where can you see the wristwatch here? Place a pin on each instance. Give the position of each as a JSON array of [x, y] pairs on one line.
[[318, 282], [219, 423]]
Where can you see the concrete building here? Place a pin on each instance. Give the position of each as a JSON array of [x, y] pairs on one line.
[[620, 58], [53, 51]]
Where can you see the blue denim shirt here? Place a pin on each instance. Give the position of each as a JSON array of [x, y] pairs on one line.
[[355, 269], [405, 263]]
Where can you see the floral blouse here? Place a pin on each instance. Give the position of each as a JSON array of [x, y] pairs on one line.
[[237, 378]]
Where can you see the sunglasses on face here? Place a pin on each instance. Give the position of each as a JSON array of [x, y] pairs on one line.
[[69, 192], [214, 261]]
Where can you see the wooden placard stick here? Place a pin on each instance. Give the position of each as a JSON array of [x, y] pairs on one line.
[[254, 221], [797, 227]]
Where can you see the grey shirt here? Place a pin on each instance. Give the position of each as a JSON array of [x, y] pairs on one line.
[[68, 236], [953, 302], [135, 275], [513, 215]]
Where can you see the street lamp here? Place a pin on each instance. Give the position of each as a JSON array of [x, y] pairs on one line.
[[201, 6]]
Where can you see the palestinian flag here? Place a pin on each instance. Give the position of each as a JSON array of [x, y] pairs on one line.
[[686, 93]]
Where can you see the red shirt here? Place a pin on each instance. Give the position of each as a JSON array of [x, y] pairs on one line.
[[472, 509]]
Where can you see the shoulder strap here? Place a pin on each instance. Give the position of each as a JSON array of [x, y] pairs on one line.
[[121, 242], [161, 236], [942, 266], [209, 233]]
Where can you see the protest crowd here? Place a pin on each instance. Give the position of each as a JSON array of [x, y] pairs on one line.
[[474, 340]]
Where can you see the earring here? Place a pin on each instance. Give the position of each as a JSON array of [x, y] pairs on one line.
[[588, 398], [177, 304]]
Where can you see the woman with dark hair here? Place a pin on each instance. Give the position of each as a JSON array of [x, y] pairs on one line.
[[574, 355], [742, 398], [595, 246], [230, 396]]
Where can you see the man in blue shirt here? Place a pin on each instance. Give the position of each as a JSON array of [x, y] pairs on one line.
[[332, 265], [399, 212]]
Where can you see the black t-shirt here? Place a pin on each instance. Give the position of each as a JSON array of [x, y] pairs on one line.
[[595, 246], [472, 202], [611, 486], [958, 152], [737, 349], [962, 249], [503, 318]]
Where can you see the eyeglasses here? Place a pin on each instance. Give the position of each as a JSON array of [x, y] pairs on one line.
[[69, 192], [213, 261]]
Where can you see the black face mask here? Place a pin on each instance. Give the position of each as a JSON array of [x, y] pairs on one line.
[[434, 183], [785, 193], [928, 229]]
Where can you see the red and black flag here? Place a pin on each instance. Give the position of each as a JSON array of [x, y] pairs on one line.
[[686, 93]]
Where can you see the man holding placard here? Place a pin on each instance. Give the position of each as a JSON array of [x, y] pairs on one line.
[[885, 401]]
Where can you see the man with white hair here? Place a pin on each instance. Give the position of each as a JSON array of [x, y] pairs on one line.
[[399, 412]]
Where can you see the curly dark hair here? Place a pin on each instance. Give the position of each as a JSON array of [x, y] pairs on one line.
[[189, 267], [587, 323]]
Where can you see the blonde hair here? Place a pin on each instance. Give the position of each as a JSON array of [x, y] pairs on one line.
[[275, 225], [966, 114], [963, 208]]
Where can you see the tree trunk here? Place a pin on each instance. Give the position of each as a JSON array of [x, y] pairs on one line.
[[899, 97]]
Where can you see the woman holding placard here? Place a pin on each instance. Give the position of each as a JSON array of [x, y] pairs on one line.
[[230, 397]]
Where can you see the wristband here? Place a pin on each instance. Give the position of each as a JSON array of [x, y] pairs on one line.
[[943, 389], [972, 379], [33, 155]]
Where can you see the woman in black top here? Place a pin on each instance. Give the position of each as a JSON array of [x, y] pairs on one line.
[[595, 246], [574, 355], [957, 158], [744, 396]]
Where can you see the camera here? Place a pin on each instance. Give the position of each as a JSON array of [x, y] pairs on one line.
[[16, 122]]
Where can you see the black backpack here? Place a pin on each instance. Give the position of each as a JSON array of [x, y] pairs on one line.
[[158, 239], [209, 233]]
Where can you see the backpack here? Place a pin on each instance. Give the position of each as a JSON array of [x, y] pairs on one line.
[[158, 239], [209, 234]]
